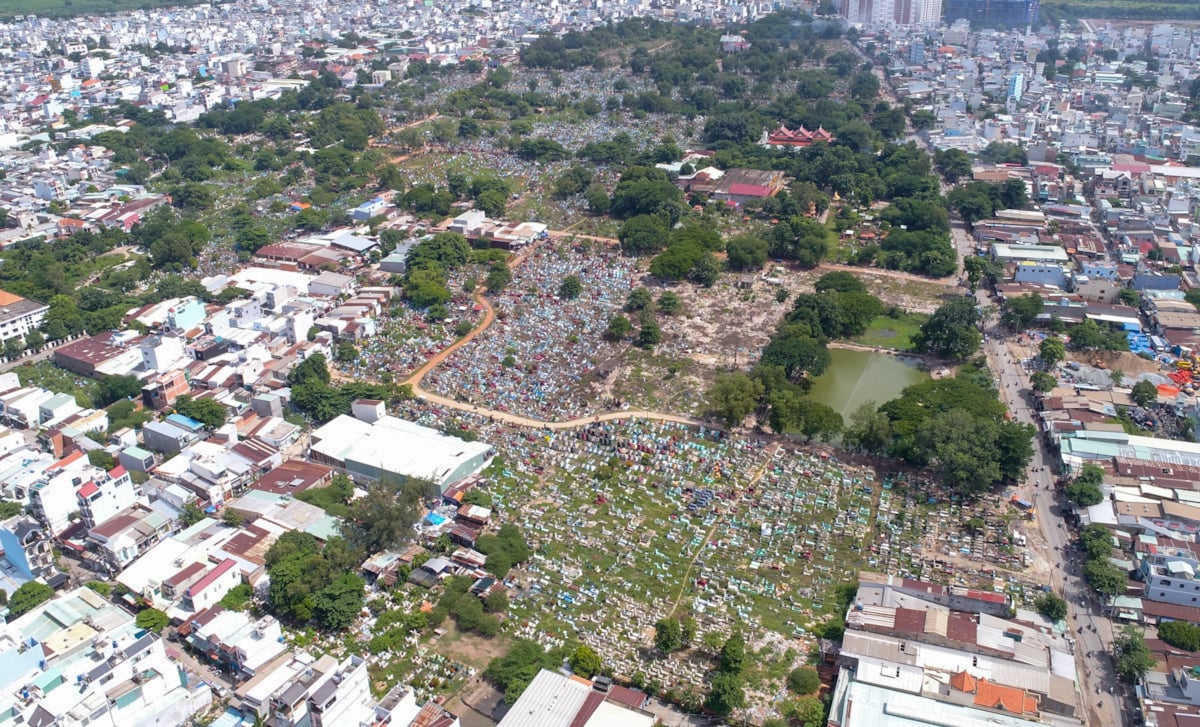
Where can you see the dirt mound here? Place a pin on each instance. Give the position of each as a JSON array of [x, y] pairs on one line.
[[1123, 361]]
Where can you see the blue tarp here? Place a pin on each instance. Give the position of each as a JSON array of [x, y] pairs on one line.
[[434, 519]]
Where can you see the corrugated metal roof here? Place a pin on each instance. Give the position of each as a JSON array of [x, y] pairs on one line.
[[550, 700]]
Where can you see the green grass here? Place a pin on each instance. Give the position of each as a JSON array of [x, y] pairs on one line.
[[895, 333], [69, 8]]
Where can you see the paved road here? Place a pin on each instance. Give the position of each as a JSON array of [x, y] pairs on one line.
[[1092, 631]]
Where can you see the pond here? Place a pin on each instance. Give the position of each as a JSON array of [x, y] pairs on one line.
[[857, 376]]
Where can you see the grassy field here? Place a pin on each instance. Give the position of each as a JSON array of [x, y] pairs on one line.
[[896, 333], [68, 8]]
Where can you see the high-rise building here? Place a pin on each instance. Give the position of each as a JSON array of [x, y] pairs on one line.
[[1016, 86], [868, 12], [917, 12], [993, 12]]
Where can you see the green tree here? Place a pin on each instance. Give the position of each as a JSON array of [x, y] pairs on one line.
[[1131, 657], [1105, 577], [1042, 382], [1084, 494], [733, 654], [951, 332], [808, 712], [337, 605], [27, 597], [385, 516], [647, 191], [101, 587], [1097, 542], [870, 429], [190, 514], [1091, 475], [618, 329], [746, 252], [1091, 336], [799, 356], [962, 449], [209, 412], [975, 267], [13, 347], [312, 370], [498, 277], [1052, 350], [425, 288], [804, 680], [585, 661], [638, 299], [570, 287], [669, 303], [726, 694], [34, 340], [1180, 634], [519, 665], [649, 334], [1022, 310], [496, 602], [954, 164], [643, 235], [1144, 393], [346, 352], [668, 636], [100, 458], [1051, 606], [232, 518], [151, 619], [687, 630], [865, 86], [733, 396]]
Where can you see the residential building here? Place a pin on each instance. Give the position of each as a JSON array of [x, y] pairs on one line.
[[556, 700], [19, 316]]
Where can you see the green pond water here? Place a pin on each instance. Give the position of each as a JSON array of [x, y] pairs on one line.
[[857, 376]]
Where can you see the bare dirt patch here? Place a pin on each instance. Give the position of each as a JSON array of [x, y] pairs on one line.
[[469, 648]]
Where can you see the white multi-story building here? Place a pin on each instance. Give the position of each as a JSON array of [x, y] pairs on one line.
[[1171, 579], [91, 66], [105, 495], [19, 316]]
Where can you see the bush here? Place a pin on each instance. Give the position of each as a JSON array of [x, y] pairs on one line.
[[1181, 635], [1052, 607], [804, 680], [104, 589]]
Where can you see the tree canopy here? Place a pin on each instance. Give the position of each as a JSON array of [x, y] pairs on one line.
[[952, 331]]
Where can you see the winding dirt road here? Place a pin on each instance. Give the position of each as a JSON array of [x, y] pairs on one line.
[[489, 316]]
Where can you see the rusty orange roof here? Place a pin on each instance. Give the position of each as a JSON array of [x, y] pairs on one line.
[[963, 682], [1010, 699], [7, 298], [581, 680]]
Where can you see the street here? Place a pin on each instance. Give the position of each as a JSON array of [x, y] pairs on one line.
[[1091, 630]]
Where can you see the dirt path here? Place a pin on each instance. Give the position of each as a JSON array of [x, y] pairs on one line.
[[951, 280], [489, 315], [414, 379]]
